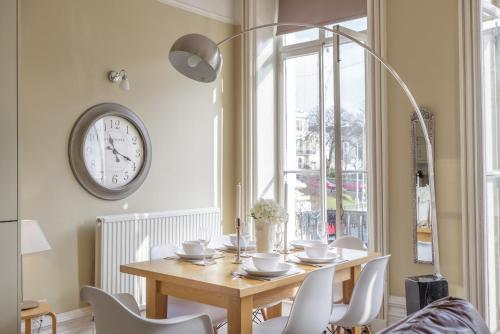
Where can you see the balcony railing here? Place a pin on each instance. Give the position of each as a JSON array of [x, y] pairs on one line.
[[354, 223]]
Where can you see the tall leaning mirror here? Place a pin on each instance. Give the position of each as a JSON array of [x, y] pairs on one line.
[[422, 230]]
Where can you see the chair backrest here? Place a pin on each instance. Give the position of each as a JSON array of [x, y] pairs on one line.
[[312, 307], [162, 251], [368, 293], [128, 301], [349, 242], [113, 317]]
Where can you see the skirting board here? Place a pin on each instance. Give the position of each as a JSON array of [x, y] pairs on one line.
[[396, 312]]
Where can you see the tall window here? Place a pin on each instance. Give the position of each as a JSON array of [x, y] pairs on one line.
[[324, 132], [491, 125]]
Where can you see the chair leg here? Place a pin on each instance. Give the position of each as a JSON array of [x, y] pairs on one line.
[[366, 330], [255, 316], [334, 329], [264, 314]]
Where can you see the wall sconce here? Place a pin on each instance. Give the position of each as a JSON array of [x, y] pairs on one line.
[[122, 77]]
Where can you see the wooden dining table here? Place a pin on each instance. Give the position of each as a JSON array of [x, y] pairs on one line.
[[217, 285]]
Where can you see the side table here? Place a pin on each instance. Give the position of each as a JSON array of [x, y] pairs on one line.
[[41, 310]]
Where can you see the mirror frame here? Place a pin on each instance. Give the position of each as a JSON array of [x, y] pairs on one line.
[[415, 124]]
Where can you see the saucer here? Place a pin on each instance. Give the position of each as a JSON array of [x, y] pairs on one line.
[[230, 246], [281, 269], [331, 256], [209, 254]]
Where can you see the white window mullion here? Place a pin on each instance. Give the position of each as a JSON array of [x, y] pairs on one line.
[[338, 137], [322, 142]]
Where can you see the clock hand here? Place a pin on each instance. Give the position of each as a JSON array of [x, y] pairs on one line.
[[115, 151], [125, 157]]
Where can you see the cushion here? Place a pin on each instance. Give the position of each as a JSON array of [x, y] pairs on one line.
[[446, 315]]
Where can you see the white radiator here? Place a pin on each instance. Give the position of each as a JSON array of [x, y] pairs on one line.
[[122, 239]]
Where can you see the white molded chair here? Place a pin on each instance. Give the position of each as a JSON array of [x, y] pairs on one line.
[[349, 242], [310, 310], [120, 315], [180, 307], [366, 297], [345, 242]]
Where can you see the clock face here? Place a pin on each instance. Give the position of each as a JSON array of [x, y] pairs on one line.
[[113, 151]]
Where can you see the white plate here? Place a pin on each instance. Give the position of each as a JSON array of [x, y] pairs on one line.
[[209, 254], [230, 246], [331, 256], [282, 269], [299, 244]]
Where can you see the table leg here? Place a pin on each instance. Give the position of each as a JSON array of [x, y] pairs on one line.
[[156, 306], [347, 288], [27, 326], [272, 311], [54, 322], [239, 315]]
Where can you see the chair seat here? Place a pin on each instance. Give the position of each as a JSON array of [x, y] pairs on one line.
[[338, 312], [271, 326], [180, 307]]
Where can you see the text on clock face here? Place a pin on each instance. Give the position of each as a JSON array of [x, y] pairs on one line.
[[113, 151]]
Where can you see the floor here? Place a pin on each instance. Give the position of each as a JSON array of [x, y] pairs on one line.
[[86, 326]]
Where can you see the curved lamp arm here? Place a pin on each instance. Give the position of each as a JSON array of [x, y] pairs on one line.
[[210, 67]]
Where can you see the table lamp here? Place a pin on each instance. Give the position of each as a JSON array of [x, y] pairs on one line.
[[32, 241]]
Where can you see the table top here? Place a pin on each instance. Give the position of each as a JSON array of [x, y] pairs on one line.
[[42, 309], [218, 277]]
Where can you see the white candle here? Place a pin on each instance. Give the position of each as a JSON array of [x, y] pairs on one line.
[[285, 241], [238, 201], [286, 197]]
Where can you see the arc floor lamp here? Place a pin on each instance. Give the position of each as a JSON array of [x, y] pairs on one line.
[[199, 58]]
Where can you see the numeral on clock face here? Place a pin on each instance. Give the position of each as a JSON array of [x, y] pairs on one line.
[[113, 151]]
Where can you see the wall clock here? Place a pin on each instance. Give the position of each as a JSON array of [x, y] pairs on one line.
[[110, 151]]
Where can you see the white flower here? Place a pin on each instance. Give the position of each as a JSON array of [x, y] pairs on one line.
[[267, 210]]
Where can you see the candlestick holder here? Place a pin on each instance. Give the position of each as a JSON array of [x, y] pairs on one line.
[[285, 238], [237, 259]]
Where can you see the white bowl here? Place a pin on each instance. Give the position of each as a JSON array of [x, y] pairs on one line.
[[266, 261], [316, 250], [299, 244], [233, 238], [192, 247]]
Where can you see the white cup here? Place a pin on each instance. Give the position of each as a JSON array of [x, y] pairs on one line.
[[266, 261], [192, 247], [313, 242], [233, 238], [316, 250]]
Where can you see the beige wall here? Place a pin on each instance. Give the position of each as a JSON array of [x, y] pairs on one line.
[[422, 44], [66, 49]]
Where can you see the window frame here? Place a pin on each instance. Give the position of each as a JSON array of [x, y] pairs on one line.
[[303, 49]]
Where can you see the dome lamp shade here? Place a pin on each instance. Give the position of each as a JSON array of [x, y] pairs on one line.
[[197, 57]]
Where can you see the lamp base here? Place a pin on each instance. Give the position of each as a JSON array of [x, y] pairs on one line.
[[29, 304]]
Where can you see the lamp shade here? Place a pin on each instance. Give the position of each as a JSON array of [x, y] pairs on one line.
[[197, 57], [125, 84], [32, 238]]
